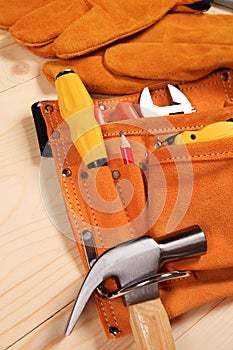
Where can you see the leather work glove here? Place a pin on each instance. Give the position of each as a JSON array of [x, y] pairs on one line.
[[78, 27], [180, 47], [12, 10]]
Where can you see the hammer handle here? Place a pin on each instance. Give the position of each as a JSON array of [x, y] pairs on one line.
[[150, 326]]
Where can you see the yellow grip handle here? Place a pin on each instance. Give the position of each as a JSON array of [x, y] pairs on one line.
[[215, 131], [77, 109]]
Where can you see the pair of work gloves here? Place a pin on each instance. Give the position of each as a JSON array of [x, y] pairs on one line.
[[121, 47]]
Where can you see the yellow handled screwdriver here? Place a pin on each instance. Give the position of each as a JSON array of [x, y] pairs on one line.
[[77, 109], [215, 131]]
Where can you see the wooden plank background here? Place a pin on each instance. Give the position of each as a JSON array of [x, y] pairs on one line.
[[41, 270]]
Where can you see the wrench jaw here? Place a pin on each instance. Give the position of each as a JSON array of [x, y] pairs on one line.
[[147, 107], [181, 104]]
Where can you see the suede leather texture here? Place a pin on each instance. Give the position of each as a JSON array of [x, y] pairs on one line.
[[78, 27], [177, 187], [13, 10], [180, 47]]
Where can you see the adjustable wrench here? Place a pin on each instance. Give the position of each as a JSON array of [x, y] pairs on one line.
[[181, 104]]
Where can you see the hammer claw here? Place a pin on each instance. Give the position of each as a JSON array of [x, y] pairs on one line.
[[83, 297], [96, 275], [134, 261]]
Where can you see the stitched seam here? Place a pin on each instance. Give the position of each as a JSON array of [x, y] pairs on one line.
[[198, 156], [125, 209], [132, 97], [230, 87], [65, 182], [145, 132], [154, 95], [75, 194], [102, 244], [78, 205], [120, 99], [93, 214], [225, 89], [62, 139], [104, 313], [79, 208], [200, 85], [178, 128], [113, 314]]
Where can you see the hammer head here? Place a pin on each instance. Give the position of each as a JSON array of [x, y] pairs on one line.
[[135, 260]]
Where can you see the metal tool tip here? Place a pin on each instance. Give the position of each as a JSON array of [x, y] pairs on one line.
[[68, 330], [121, 133]]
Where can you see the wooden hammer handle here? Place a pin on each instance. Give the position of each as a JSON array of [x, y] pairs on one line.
[[150, 326]]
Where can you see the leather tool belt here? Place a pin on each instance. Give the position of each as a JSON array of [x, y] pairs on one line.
[[165, 189]]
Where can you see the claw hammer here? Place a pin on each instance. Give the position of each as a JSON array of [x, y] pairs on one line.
[[131, 263]]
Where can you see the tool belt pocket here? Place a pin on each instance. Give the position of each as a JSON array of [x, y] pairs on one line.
[[193, 184], [167, 188], [188, 184], [110, 201]]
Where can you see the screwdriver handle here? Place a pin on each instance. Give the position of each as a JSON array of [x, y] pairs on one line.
[[77, 109], [214, 131]]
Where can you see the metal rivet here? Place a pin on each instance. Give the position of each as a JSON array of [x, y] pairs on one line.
[[114, 331], [143, 166], [84, 175], [116, 174], [224, 76], [56, 134], [48, 108], [157, 144], [66, 172], [87, 235], [102, 106]]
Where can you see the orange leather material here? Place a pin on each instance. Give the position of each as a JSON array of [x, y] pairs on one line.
[[177, 186], [157, 55], [170, 44], [12, 10], [78, 27], [44, 17], [207, 94]]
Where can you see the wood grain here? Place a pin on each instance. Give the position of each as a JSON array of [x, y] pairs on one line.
[[212, 331], [150, 326], [41, 270]]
